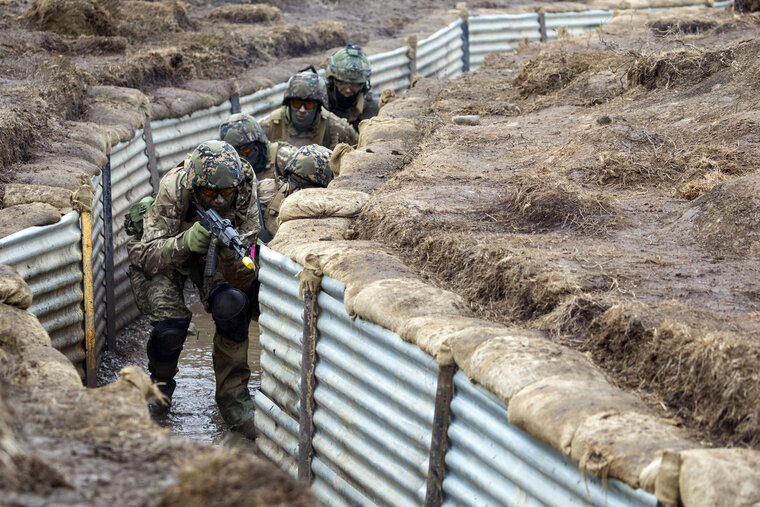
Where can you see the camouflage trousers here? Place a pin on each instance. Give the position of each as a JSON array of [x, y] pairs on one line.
[[161, 297]]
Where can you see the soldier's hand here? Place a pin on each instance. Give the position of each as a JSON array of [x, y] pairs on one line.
[[196, 238]]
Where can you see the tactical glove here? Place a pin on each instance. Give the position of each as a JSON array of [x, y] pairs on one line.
[[196, 239]]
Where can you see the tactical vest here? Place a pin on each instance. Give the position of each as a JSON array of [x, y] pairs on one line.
[[280, 131]]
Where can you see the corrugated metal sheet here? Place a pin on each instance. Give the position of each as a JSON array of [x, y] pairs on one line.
[[130, 182], [263, 102], [437, 53], [500, 33], [490, 462], [576, 22], [48, 258], [98, 266], [390, 70], [281, 325], [174, 138], [375, 399]]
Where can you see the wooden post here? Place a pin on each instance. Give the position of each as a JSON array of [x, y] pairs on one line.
[[443, 395], [89, 301], [308, 381]]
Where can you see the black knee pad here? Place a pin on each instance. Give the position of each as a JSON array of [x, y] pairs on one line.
[[168, 338], [231, 311]]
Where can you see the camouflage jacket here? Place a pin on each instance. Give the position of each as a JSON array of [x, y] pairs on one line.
[[271, 194], [330, 130], [161, 248], [366, 107], [279, 154]]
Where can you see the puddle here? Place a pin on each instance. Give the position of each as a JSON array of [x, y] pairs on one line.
[[194, 414]]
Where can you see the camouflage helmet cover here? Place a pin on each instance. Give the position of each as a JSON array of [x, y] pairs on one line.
[[349, 64], [214, 164], [306, 86], [241, 129], [311, 163]]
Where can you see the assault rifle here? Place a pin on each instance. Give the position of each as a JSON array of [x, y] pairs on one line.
[[221, 229]]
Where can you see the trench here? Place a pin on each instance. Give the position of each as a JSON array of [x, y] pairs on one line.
[[193, 414]]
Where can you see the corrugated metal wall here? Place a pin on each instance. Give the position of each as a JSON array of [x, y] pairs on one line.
[[490, 462], [375, 401], [500, 33], [130, 182], [174, 138], [99, 266], [48, 258], [575, 22], [390, 70], [281, 325], [440, 55]]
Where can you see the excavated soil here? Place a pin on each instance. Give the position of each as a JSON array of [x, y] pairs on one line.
[[608, 196]]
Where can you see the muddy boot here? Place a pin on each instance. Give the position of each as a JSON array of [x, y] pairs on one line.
[[246, 429], [164, 348]]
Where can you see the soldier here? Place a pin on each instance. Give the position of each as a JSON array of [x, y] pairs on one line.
[[245, 134], [172, 249], [304, 119], [309, 168], [348, 86]]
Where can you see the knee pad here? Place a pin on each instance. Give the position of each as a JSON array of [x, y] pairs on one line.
[[168, 338], [231, 311]]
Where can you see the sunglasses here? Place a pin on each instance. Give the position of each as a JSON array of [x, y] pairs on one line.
[[211, 193], [307, 104], [248, 149]]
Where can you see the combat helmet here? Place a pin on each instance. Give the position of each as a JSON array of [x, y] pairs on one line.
[[349, 64], [310, 166], [306, 85], [214, 164], [241, 129]]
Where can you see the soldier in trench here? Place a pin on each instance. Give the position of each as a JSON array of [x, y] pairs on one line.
[[309, 168], [348, 86], [304, 119], [244, 133], [171, 249]]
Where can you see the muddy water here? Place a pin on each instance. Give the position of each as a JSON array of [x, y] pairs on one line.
[[194, 414]]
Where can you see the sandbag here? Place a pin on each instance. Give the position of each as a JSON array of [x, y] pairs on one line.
[[386, 129], [719, 477], [429, 332], [391, 303], [622, 445], [17, 218], [553, 408], [506, 364], [20, 193], [294, 236], [119, 111], [14, 291], [320, 203]]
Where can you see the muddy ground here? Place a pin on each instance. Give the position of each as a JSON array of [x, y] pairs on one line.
[[609, 196]]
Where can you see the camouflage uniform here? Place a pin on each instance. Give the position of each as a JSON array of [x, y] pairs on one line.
[[163, 261], [327, 129], [309, 168], [242, 129], [351, 65]]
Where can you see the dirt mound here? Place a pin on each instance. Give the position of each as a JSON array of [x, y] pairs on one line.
[[685, 67], [141, 20], [552, 71], [254, 13], [726, 220], [71, 17], [216, 479], [666, 27]]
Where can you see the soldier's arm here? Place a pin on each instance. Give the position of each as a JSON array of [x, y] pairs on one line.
[[161, 248], [266, 125]]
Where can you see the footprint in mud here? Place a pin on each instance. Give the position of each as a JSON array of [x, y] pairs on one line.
[[193, 413]]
